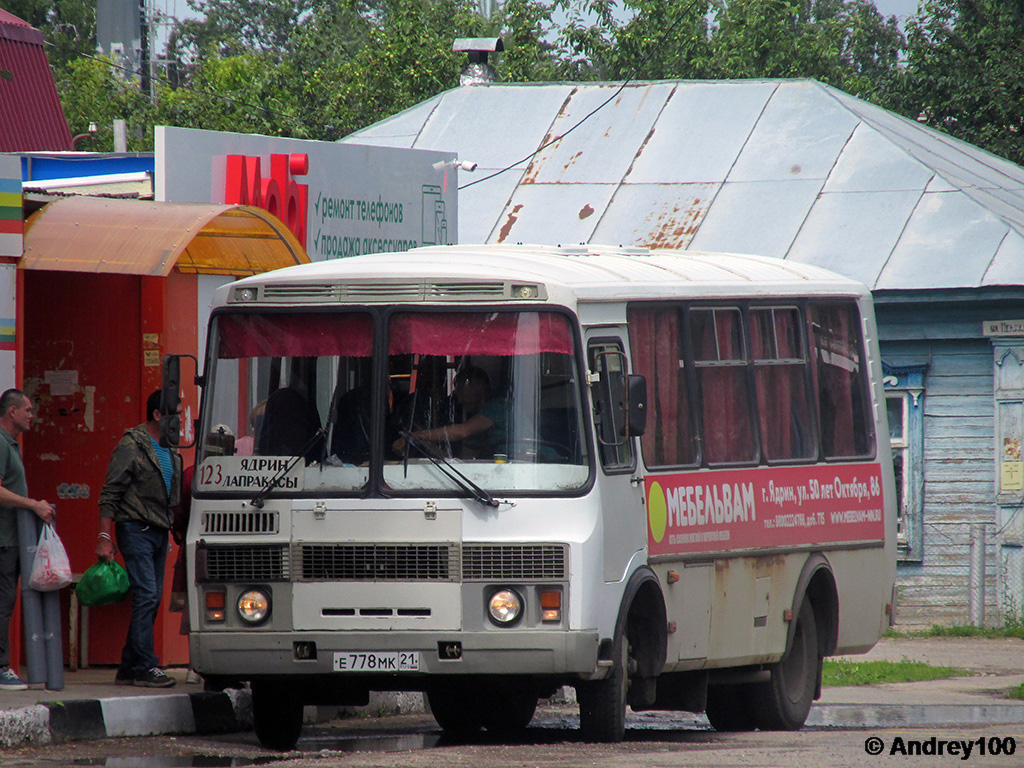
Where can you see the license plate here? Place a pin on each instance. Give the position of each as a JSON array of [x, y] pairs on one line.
[[377, 661]]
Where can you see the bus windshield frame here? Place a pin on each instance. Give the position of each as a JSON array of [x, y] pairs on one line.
[[377, 403]]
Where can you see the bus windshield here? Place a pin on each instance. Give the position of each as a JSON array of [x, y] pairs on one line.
[[489, 397]]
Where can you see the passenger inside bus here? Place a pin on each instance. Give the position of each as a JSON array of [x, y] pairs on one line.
[[350, 438], [290, 422]]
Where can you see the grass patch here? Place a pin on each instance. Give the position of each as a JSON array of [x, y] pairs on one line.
[[1010, 629], [1016, 693], [845, 672]]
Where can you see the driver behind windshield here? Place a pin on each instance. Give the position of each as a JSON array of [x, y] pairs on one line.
[[484, 432]]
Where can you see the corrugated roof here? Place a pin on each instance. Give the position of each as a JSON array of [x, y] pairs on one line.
[[792, 169], [31, 116], [133, 237]]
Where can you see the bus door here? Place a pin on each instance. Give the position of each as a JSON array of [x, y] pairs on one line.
[[619, 487]]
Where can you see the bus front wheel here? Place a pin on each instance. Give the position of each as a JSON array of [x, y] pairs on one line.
[[782, 703], [457, 711], [276, 715], [603, 702]]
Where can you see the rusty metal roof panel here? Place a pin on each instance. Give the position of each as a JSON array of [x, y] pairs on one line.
[[619, 132], [696, 134], [761, 217], [475, 122], [552, 214], [788, 168], [656, 215]]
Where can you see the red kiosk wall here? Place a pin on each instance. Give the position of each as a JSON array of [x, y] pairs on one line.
[[92, 351]]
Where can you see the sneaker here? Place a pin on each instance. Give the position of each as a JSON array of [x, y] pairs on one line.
[[11, 682], [155, 678], [124, 678]]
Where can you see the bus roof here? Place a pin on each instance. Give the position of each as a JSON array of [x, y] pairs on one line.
[[588, 273]]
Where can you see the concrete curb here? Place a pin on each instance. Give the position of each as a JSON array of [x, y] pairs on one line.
[[76, 720]]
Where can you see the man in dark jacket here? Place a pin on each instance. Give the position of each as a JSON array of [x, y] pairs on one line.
[[142, 487]]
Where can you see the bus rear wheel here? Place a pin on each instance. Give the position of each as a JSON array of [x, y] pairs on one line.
[[276, 715], [783, 703], [603, 702]]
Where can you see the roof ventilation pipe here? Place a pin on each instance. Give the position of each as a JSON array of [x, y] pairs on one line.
[[476, 70]]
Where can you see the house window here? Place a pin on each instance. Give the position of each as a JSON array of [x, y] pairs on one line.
[[904, 396]]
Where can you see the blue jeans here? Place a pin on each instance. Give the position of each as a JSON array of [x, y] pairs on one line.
[[144, 549]]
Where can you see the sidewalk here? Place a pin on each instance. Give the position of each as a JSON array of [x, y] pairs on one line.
[[91, 706]]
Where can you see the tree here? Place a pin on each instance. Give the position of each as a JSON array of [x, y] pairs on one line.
[[963, 72]]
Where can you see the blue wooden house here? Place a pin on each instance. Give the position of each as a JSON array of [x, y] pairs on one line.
[[798, 170]]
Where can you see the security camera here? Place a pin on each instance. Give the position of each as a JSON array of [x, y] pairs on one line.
[[466, 165]]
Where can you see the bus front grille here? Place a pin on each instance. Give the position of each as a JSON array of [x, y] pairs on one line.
[[513, 562], [242, 563], [379, 562], [245, 522]]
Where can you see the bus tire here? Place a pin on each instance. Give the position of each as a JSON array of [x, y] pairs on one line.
[[509, 712], [782, 703], [603, 702], [458, 712], [728, 708], [276, 715]]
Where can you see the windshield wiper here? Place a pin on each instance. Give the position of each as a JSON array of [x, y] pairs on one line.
[[275, 481], [453, 474]]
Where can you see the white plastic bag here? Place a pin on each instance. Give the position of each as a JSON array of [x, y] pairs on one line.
[[51, 569]]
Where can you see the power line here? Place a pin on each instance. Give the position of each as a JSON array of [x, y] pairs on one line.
[[632, 76]]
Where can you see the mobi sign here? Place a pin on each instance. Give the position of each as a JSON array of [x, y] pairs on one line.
[[337, 199], [764, 507], [278, 193]]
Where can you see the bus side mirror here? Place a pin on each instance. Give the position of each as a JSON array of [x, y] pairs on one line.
[[170, 401], [636, 417]]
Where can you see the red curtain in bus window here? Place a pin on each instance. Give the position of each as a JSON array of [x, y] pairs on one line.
[[781, 385], [725, 397], [656, 353], [294, 335], [842, 401], [479, 333]]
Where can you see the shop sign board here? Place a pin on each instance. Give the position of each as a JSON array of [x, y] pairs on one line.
[[338, 199]]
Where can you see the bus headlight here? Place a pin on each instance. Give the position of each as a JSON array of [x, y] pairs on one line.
[[254, 606], [505, 607]]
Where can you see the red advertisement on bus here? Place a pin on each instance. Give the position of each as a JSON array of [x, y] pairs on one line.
[[764, 507]]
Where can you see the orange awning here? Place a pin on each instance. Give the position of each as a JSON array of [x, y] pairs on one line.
[[135, 237]]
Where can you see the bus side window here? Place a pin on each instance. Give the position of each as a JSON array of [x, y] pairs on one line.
[[725, 398], [609, 395], [843, 403], [655, 342], [781, 383]]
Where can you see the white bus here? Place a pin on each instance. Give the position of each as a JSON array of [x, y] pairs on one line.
[[486, 472]]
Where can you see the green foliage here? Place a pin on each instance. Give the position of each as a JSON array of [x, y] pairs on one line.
[[1012, 628], [1016, 693], [963, 72], [837, 672]]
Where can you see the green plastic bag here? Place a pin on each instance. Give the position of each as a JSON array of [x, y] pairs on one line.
[[104, 583]]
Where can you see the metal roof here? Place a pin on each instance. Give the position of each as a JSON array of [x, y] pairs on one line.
[[791, 169], [31, 116]]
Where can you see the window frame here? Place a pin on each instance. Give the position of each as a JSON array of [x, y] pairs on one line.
[[906, 383]]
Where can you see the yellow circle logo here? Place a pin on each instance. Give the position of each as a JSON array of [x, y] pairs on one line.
[[657, 512]]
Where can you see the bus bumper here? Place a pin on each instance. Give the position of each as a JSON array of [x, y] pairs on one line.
[[248, 654]]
